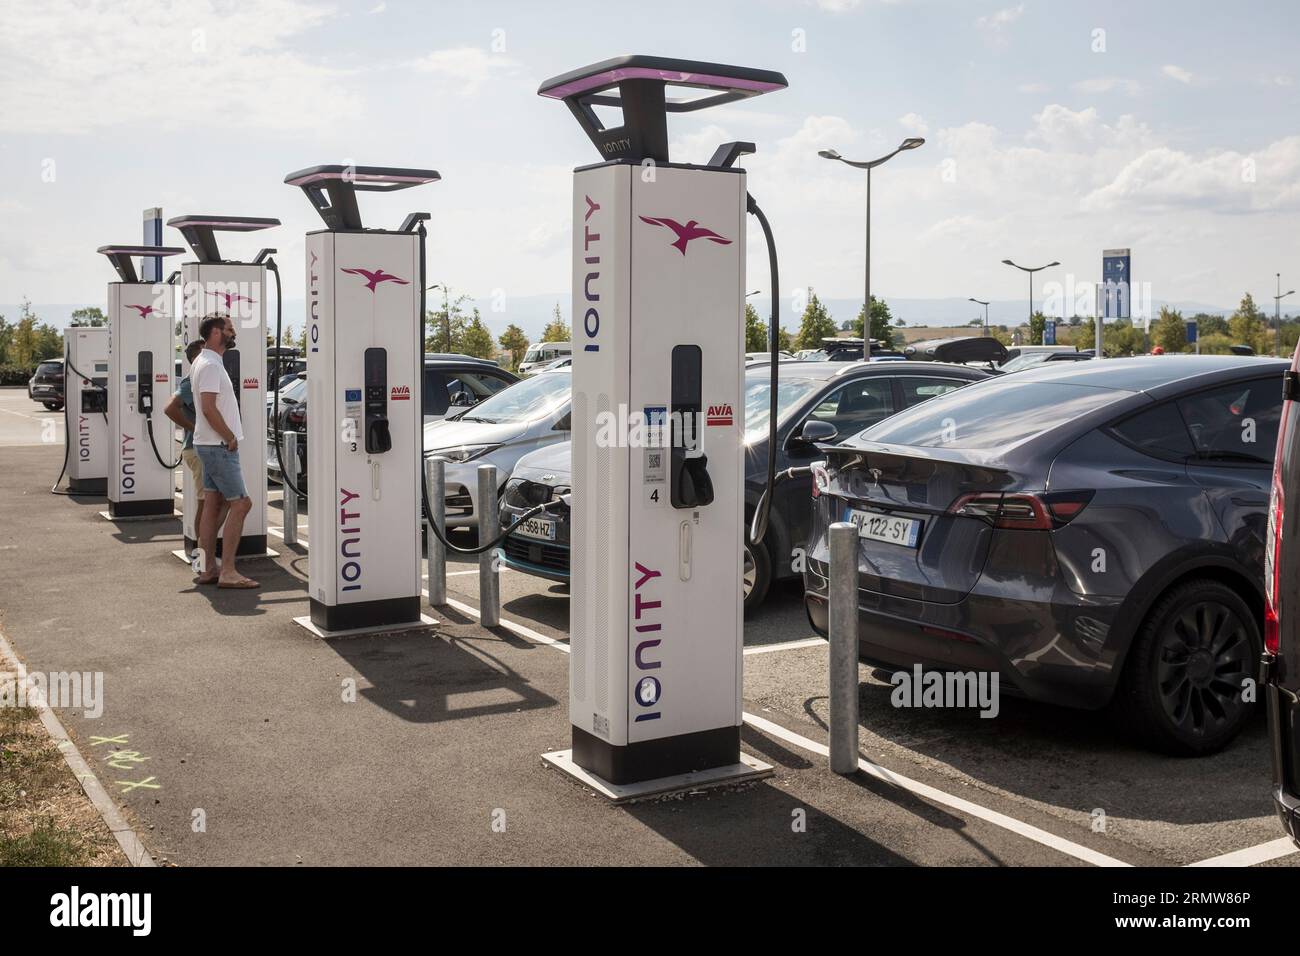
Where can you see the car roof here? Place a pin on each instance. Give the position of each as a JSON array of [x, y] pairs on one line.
[[1155, 374], [826, 370]]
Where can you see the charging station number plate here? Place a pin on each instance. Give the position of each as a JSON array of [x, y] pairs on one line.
[[540, 528], [888, 528]]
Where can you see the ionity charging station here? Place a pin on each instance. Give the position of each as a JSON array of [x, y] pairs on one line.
[[140, 363], [364, 294], [85, 405], [211, 285], [658, 310]]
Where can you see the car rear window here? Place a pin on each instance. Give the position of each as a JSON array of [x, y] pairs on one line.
[[993, 414]]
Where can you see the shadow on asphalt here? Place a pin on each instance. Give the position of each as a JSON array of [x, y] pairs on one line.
[[424, 678], [1075, 759]]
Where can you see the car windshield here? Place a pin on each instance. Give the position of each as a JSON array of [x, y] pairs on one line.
[[758, 400], [995, 414], [523, 401]]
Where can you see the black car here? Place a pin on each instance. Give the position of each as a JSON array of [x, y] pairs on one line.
[[46, 384], [1281, 677], [451, 382], [1092, 532], [849, 396]]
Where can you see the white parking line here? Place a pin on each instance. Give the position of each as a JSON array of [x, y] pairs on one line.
[[1272, 850], [786, 646], [1051, 840]]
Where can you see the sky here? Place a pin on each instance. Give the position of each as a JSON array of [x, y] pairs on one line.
[[1054, 130]]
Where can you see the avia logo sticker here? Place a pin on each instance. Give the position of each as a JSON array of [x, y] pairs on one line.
[[719, 415], [230, 297], [401, 393], [144, 310], [160, 377], [374, 278], [692, 230], [250, 383]]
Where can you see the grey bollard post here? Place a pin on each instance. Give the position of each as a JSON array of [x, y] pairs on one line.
[[489, 584], [289, 468], [843, 627], [436, 478]]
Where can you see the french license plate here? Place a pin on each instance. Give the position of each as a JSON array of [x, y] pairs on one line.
[[888, 528], [541, 528]]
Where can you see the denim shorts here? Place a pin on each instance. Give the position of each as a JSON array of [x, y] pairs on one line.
[[221, 472]]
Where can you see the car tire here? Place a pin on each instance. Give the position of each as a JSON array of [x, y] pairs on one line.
[[52, 406], [1181, 690], [755, 575]]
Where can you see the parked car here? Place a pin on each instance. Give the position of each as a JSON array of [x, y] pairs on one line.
[[450, 384], [543, 353], [1281, 677], [46, 384], [502, 429], [1034, 359], [850, 397], [1093, 532], [766, 356]]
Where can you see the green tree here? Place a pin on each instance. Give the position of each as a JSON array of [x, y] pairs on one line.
[[784, 340], [476, 340], [514, 341], [556, 330], [1216, 343], [1169, 331], [1207, 324], [89, 315], [1249, 327], [445, 327], [6, 339], [1037, 323], [816, 324], [755, 331], [880, 323]]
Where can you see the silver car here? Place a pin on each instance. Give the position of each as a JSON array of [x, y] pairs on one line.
[[498, 431]]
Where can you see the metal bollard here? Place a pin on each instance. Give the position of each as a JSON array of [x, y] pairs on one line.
[[435, 476], [843, 627], [489, 584], [289, 468]]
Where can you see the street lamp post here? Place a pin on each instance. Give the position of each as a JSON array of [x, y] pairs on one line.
[[1030, 272], [986, 313], [912, 142], [1277, 311]]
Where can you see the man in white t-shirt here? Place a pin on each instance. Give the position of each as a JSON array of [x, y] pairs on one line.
[[217, 434]]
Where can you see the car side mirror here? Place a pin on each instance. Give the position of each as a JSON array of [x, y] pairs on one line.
[[815, 432], [462, 400]]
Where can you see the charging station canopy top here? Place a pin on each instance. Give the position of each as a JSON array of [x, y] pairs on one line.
[[641, 82], [199, 231], [120, 257], [332, 190]]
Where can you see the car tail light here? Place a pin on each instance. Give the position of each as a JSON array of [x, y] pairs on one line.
[[1273, 562], [821, 478], [296, 415], [1021, 511]]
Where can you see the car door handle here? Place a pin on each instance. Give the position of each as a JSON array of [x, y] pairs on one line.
[[1251, 501]]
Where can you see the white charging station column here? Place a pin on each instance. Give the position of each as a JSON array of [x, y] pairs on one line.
[[214, 286], [656, 606], [363, 289], [141, 379], [85, 385]]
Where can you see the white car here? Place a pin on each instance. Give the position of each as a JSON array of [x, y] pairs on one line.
[[500, 430]]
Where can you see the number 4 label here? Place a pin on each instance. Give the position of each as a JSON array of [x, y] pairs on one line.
[[654, 496]]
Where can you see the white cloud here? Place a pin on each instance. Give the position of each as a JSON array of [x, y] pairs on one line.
[[1000, 19], [378, 8], [469, 66], [1032, 88], [70, 67], [914, 123], [1109, 84], [1177, 73]]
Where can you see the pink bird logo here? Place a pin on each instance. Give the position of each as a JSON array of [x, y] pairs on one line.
[[692, 230], [229, 297], [374, 278], [144, 310]]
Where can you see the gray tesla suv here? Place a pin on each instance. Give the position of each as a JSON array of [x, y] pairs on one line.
[[1093, 532]]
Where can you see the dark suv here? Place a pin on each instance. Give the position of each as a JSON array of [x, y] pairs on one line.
[[1093, 532], [46, 384], [1282, 612], [451, 383]]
